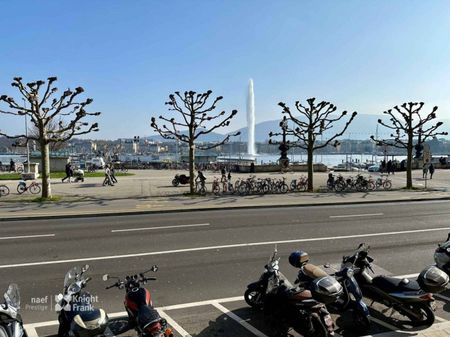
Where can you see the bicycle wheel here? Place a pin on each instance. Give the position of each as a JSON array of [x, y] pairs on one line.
[[4, 190], [20, 170], [387, 185], [35, 189], [284, 188], [21, 188], [216, 190]]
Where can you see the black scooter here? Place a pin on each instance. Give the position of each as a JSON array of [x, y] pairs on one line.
[[412, 299]]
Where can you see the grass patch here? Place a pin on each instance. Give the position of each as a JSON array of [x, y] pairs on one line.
[[59, 175], [52, 199]]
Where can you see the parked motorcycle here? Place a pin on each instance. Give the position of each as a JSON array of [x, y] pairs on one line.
[[138, 304], [303, 310], [11, 324], [411, 298], [77, 316], [442, 255], [180, 179], [351, 297]]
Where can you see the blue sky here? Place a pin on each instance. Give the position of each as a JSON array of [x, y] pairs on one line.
[[130, 55]]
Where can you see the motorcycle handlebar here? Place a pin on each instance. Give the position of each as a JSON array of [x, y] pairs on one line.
[[150, 279]]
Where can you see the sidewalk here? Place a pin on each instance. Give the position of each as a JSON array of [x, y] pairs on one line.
[[151, 191]]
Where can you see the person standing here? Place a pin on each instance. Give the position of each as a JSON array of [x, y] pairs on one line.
[[431, 169], [425, 170], [389, 167], [12, 166]]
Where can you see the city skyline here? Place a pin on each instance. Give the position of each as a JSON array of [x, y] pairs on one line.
[[130, 58]]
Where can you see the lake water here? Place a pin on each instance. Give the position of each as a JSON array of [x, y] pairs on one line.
[[327, 159]]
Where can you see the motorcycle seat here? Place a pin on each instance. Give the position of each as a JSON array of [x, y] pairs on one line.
[[393, 284], [89, 319], [147, 315], [313, 271]]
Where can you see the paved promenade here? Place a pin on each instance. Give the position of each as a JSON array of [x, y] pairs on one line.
[[151, 190]]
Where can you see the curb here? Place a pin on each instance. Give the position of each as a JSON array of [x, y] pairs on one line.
[[215, 208]]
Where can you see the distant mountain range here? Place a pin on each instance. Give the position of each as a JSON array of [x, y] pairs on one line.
[[362, 127]]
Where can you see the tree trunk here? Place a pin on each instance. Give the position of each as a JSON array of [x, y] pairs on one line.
[[191, 167], [45, 171], [310, 169], [409, 184]]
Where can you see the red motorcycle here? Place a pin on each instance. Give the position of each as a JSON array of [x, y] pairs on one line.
[[138, 304]]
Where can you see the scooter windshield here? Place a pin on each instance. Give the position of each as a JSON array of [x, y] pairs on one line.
[[72, 276], [12, 296]]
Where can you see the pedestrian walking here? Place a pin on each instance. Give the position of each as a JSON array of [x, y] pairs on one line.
[[431, 169], [425, 170], [69, 172], [389, 167], [12, 166], [107, 180], [113, 174]]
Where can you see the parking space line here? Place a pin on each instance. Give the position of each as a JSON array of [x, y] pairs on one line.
[[241, 321], [174, 324], [383, 323]]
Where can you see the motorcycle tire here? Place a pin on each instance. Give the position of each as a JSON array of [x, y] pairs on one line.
[[175, 182], [427, 315], [361, 322], [253, 298], [318, 328]]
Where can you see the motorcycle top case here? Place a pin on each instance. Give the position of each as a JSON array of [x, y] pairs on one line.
[[433, 280], [326, 289]]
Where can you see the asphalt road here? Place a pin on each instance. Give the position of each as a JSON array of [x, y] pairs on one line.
[[211, 254]]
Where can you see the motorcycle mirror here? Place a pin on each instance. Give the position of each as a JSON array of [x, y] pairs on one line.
[[155, 268], [105, 277], [360, 245], [84, 268], [327, 265]]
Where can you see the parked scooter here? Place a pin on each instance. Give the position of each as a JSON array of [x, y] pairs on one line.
[[410, 298], [351, 297], [303, 310], [10, 321], [138, 304], [77, 316]]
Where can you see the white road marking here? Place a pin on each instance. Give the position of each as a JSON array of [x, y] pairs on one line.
[[354, 215], [236, 318], [31, 332], [198, 249], [174, 324], [26, 237], [160, 227]]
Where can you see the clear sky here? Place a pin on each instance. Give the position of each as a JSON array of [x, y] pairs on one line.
[[130, 55]]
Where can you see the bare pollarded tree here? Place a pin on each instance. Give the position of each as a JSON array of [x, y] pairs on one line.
[[312, 121], [56, 119], [407, 123], [195, 118]]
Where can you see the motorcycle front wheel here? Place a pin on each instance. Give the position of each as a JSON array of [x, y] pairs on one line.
[[423, 311], [253, 297], [360, 320], [318, 328]]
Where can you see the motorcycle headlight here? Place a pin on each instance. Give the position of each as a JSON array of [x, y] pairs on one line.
[[350, 272]]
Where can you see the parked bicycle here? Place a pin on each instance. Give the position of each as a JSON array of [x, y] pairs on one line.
[[34, 187]]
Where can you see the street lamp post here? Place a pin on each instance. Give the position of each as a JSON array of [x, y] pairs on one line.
[[26, 136]]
